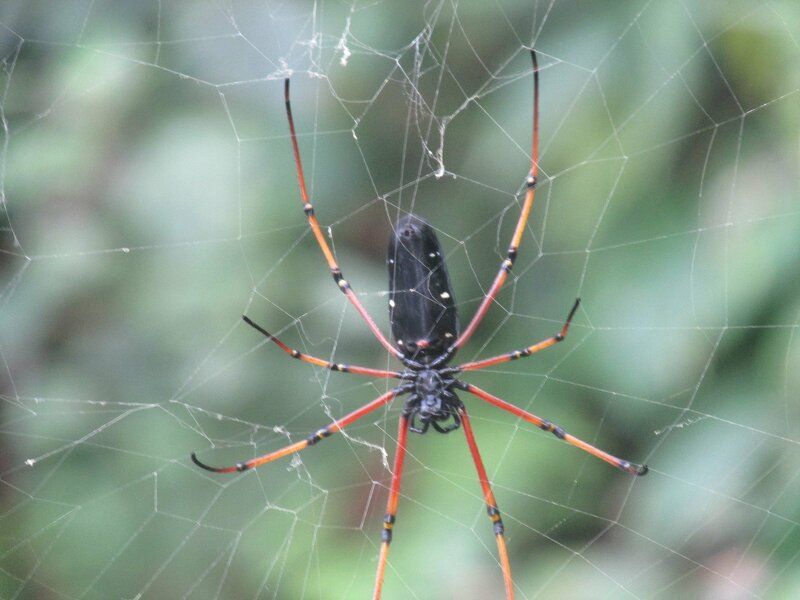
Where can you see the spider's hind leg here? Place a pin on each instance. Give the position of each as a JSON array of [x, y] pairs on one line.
[[491, 504], [391, 504], [545, 425]]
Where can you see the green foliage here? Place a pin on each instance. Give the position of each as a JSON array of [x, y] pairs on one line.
[[150, 199]]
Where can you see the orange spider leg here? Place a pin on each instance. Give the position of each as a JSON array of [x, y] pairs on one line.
[[509, 356], [491, 505], [557, 431], [516, 239], [391, 505], [320, 434], [341, 368], [344, 286]]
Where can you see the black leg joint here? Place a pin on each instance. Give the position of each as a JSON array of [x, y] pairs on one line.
[[559, 432], [319, 435], [531, 182], [308, 209], [340, 280], [494, 515], [546, 425], [241, 467], [388, 523]]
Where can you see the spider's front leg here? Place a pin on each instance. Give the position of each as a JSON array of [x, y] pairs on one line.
[[516, 238], [313, 223], [341, 368], [527, 351]]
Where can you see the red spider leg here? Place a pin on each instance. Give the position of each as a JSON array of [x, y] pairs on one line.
[[496, 360], [320, 362], [344, 286], [334, 427], [391, 505], [557, 431], [505, 267], [491, 504]]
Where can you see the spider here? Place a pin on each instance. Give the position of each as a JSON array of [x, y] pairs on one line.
[[425, 327]]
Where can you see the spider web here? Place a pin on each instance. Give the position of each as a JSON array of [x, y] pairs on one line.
[[149, 198]]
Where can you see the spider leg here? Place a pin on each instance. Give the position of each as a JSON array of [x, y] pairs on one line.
[[516, 239], [320, 362], [414, 423], [312, 439], [557, 431], [391, 505], [491, 504], [496, 360], [313, 223], [448, 428]]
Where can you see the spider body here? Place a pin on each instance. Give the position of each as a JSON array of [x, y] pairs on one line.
[[422, 309], [424, 321], [425, 327]]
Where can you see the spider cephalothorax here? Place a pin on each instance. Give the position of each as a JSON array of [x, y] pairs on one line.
[[433, 402], [426, 332]]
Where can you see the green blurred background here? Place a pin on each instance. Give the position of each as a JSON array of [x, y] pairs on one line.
[[150, 199]]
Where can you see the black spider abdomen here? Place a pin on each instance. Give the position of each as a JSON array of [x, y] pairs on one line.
[[421, 305]]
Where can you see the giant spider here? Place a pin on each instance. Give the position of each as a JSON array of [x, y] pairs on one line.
[[425, 327]]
